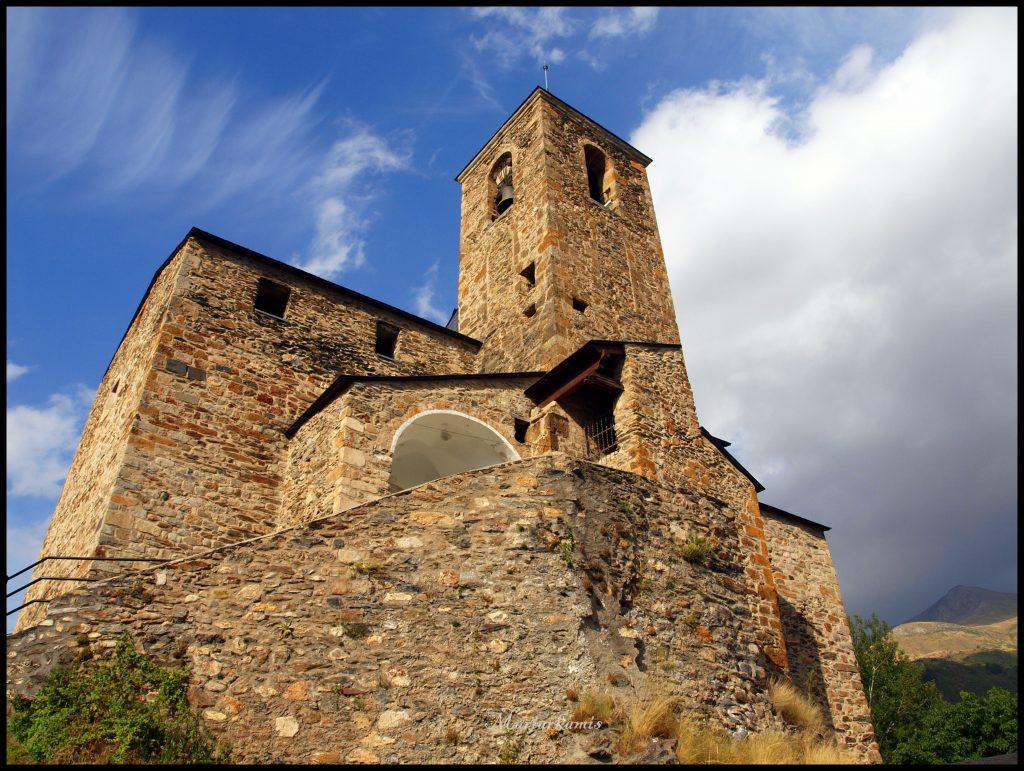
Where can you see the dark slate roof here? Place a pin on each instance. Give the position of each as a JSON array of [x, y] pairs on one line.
[[782, 513]]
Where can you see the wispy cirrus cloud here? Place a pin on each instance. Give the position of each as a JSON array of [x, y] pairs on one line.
[[41, 442], [92, 103], [14, 371]]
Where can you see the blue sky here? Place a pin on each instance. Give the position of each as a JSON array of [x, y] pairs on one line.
[[836, 190]]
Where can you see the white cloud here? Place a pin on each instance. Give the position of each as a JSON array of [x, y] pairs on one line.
[[337, 245], [516, 32], [341, 198], [847, 297], [618, 22], [362, 150], [14, 371], [424, 296], [41, 442]]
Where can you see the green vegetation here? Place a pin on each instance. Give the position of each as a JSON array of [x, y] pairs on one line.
[[565, 551], [625, 507], [355, 630], [976, 673], [128, 710], [696, 550], [510, 751], [913, 722]]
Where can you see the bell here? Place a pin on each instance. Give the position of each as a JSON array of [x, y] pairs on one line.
[[505, 198]]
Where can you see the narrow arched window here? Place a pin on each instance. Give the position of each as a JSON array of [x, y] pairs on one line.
[[595, 162], [501, 176]]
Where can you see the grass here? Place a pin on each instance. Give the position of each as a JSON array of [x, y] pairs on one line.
[[795, 707], [126, 710], [510, 751], [565, 551]]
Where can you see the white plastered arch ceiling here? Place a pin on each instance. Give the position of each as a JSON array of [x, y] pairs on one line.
[[436, 443]]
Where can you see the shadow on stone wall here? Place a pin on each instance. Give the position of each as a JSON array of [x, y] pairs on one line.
[[805, 668]]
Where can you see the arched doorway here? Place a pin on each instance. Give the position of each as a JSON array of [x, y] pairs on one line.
[[437, 443]]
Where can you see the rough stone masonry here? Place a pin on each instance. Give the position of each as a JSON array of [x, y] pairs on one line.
[[382, 532]]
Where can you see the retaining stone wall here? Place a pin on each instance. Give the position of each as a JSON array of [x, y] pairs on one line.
[[471, 605]]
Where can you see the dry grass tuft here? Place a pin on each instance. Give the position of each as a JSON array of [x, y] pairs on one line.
[[649, 716], [700, 744], [654, 714], [826, 752], [595, 706], [794, 707]]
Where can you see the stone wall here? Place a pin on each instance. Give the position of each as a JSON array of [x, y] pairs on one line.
[[84, 500], [821, 656], [607, 257], [189, 454], [402, 630], [494, 250]]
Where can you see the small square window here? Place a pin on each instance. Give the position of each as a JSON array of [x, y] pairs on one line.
[[531, 311], [387, 338], [530, 274], [578, 305], [272, 298]]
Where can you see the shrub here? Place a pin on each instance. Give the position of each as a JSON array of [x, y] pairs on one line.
[[128, 710], [696, 550]]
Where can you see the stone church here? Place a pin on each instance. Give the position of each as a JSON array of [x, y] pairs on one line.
[[365, 532]]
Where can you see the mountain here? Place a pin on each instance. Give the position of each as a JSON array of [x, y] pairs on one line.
[[971, 606], [967, 641], [941, 640]]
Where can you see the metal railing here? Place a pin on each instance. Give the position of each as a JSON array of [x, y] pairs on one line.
[[62, 578], [601, 436]]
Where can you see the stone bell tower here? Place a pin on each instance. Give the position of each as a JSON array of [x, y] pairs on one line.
[[559, 244]]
